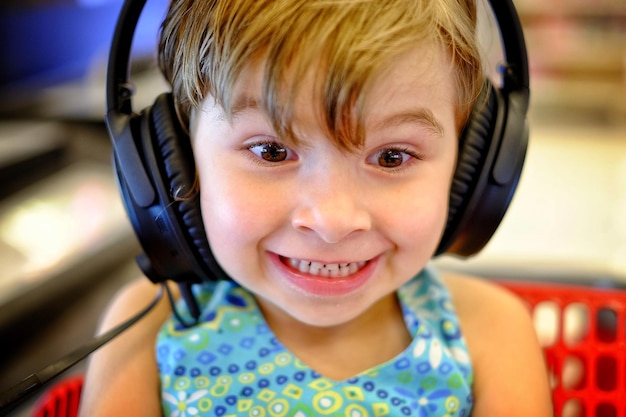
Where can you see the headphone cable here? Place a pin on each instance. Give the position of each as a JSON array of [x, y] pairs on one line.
[[18, 393]]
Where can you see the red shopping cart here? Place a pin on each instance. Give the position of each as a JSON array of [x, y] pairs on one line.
[[583, 333]]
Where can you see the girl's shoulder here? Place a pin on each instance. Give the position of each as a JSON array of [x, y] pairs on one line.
[[489, 314], [478, 299], [498, 327], [124, 370]]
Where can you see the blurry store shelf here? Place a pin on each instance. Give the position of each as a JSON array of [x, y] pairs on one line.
[[587, 8], [61, 218], [577, 57]]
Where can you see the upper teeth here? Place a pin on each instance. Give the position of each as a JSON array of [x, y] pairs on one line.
[[326, 270]]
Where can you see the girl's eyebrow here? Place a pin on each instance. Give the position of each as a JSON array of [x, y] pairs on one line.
[[420, 116], [243, 104]]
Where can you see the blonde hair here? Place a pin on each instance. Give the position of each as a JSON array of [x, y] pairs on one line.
[[207, 45]]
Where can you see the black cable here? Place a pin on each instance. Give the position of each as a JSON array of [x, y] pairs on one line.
[[178, 316], [17, 394]]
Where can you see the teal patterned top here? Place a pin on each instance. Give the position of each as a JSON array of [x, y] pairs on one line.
[[231, 364]]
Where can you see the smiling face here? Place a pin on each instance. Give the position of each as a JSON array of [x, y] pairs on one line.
[[320, 234]]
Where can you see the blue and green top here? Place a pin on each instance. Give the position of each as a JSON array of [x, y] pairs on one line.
[[231, 364]]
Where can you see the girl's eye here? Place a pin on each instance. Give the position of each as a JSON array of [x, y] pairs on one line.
[[270, 151], [391, 158]]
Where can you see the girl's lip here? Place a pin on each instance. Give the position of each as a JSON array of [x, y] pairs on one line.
[[321, 285]]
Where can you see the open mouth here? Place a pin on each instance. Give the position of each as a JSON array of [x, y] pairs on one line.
[[327, 279], [327, 270]]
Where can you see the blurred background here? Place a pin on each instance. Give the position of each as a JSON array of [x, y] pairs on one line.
[[66, 245]]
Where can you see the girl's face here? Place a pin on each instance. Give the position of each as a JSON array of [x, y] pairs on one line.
[[320, 234]]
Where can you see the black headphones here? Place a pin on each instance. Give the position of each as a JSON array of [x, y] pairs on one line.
[[153, 161]]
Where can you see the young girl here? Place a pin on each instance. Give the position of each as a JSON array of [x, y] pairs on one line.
[[325, 135]]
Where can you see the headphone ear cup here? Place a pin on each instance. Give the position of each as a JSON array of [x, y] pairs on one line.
[[474, 141], [174, 148], [170, 228], [477, 201]]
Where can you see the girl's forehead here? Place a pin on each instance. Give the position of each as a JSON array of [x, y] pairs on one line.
[[424, 67]]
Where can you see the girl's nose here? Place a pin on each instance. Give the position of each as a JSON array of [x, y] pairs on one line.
[[332, 207]]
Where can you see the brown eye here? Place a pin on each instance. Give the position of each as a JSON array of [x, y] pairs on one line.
[[270, 151], [391, 158]]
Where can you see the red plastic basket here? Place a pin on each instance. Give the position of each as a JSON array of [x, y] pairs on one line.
[[61, 400], [585, 351]]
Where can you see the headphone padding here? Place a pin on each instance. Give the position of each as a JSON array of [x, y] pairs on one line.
[[474, 145], [174, 147]]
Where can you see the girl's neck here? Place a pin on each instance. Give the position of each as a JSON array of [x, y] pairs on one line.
[[343, 351]]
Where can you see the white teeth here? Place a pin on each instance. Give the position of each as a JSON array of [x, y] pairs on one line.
[[326, 270]]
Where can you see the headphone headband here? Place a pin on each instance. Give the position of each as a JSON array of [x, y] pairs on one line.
[[118, 91], [516, 77]]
